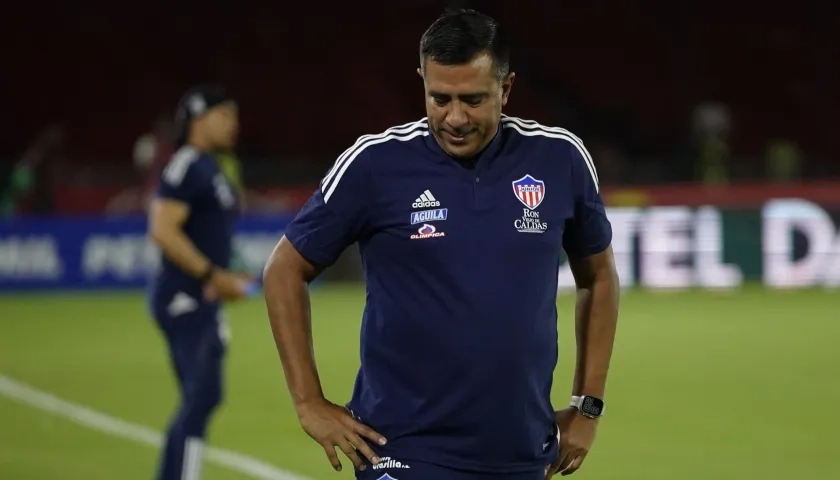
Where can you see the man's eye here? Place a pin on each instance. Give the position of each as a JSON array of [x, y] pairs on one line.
[[440, 100]]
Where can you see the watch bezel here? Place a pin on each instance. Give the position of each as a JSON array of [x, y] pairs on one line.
[[599, 405]]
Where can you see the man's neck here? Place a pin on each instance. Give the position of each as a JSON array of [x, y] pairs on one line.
[[200, 145], [471, 161]]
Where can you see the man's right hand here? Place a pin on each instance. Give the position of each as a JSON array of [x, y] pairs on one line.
[[225, 285], [333, 426]]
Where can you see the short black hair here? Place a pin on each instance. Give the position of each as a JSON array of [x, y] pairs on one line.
[[458, 35]]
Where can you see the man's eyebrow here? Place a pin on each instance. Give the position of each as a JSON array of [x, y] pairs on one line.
[[472, 96], [462, 96]]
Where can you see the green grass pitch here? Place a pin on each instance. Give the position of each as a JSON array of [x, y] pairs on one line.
[[741, 385]]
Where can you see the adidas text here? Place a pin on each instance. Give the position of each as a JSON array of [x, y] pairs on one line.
[[426, 200]]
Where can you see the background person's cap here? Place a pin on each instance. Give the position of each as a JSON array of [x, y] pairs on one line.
[[197, 101]]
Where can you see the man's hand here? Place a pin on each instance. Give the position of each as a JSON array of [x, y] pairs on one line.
[[577, 433], [225, 285], [333, 426]]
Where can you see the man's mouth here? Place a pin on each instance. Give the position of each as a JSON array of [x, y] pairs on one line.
[[459, 137]]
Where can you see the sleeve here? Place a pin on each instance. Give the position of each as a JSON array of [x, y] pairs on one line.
[[589, 231], [336, 215], [180, 179]]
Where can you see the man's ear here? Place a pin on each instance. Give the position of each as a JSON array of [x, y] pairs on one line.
[[507, 85], [420, 72]]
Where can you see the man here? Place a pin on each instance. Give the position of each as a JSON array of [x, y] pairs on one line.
[[459, 219], [191, 219]]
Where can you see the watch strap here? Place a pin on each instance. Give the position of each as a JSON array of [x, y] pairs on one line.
[[211, 269]]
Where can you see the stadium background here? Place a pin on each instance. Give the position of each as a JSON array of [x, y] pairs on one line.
[[712, 124]]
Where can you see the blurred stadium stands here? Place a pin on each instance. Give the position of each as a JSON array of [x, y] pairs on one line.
[[713, 125], [660, 91]]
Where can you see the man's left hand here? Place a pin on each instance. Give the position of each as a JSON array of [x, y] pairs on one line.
[[577, 433]]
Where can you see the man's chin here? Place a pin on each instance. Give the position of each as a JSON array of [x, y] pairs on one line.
[[460, 151], [460, 148]]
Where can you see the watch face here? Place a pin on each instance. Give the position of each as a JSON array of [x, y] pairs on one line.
[[592, 406]]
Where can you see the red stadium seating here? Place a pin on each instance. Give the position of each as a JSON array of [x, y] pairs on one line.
[[310, 81]]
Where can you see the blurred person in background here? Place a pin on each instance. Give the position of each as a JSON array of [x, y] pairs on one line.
[[152, 150], [250, 200], [30, 185], [461, 220], [783, 160], [712, 125], [151, 153], [231, 167], [192, 220]]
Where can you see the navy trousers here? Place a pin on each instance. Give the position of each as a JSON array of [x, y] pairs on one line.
[[197, 342]]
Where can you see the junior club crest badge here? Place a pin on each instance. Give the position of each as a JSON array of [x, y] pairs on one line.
[[529, 191]]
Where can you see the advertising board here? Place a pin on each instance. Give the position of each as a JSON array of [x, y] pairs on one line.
[[99, 252], [786, 243]]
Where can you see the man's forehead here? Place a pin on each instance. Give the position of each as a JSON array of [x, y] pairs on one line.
[[478, 72], [229, 105]]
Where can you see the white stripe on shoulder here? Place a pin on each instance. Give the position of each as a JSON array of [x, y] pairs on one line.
[[535, 124], [401, 133], [178, 165], [532, 128], [408, 127]]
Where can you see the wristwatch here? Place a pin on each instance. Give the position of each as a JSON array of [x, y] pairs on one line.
[[211, 269], [588, 406]]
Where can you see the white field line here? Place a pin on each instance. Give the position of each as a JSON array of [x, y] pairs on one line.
[[116, 427]]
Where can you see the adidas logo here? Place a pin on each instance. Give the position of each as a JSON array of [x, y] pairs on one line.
[[425, 200]]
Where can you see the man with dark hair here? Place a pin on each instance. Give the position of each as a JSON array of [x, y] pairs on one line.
[[191, 219], [459, 36], [460, 218]]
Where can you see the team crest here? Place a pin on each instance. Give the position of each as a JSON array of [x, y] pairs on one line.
[[529, 191], [386, 477]]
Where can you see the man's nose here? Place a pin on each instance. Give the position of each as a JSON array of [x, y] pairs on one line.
[[457, 117]]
